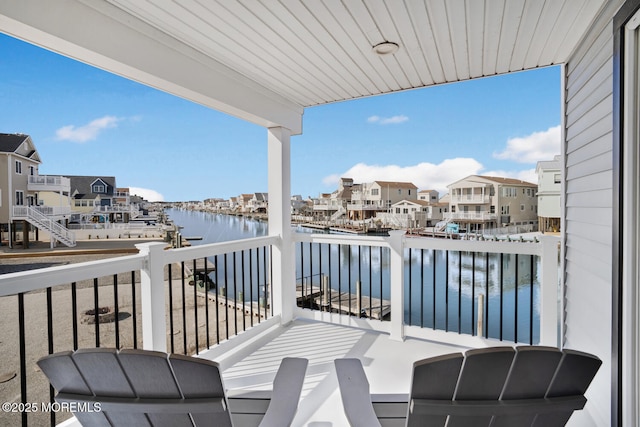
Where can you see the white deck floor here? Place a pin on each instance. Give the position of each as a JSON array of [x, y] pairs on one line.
[[387, 364]]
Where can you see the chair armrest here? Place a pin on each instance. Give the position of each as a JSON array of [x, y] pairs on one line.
[[287, 387], [354, 390]]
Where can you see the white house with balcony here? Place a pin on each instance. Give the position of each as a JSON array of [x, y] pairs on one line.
[[297, 54], [484, 202], [28, 199], [549, 194]]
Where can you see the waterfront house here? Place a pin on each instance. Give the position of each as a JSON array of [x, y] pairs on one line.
[[92, 196], [369, 198], [334, 206], [293, 55], [259, 203], [244, 202], [28, 199], [413, 214], [479, 203], [549, 194]]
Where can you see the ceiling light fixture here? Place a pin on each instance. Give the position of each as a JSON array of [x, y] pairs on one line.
[[386, 48]]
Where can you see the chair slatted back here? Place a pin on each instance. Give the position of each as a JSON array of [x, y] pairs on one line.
[[500, 386], [141, 388]]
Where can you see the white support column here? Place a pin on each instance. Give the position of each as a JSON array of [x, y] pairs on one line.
[[396, 242], [154, 321], [283, 255], [549, 291]]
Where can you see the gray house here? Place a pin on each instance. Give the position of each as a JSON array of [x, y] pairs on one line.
[[297, 54]]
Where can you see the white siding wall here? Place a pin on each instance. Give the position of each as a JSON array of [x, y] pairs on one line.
[[588, 209]]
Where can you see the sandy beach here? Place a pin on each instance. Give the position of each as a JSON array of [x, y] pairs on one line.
[[36, 326]]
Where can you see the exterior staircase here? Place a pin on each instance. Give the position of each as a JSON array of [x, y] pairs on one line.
[[46, 223], [339, 213]]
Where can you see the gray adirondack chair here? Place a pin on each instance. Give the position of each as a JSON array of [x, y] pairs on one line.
[[148, 388], [498, 386]]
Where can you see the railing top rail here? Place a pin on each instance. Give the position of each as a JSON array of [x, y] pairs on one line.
[[341, 239], [212, 249], [15, 283], [508, 247]]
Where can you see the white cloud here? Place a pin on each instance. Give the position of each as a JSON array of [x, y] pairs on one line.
[[532, 148], [87, 132], [147, 194], [528, 175], [425, 176], [388, 120]]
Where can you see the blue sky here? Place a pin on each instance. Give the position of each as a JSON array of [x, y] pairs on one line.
[[85, 121]]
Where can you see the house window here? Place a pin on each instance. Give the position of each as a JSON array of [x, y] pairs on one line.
[[374, 191], [521, 207], [397, 210], [19, 198], [492, 209], [32, 170], [18, 167], [399, 190], [453, 209], [409, 191], [98, 188]]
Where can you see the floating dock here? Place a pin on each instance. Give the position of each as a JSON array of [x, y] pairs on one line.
[[343, 302]]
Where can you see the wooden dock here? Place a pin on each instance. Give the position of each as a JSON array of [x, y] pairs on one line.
[[343, 302]]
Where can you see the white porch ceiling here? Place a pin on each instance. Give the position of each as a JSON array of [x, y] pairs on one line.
[[266, 60]]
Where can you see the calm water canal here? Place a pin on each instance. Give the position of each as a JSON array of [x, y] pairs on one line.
[[438, 291]]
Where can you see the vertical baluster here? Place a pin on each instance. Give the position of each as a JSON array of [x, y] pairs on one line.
[[473, 293], [244, 317], [52, 414], [226, 297], [410, 322], [23, 356], [381, 312], [433, 313], [116, 311], [217, 267], [349, 277], [359, 288], [270, 276], [206, 300], [195, 303], [501, 293], [446, 291], [330, 276], [531, 299], [515, 329], [339, 279], [459, 292], [184, 308], [370, 282], [74, 315], [235, 294], [251, 285], [134, 312], [310, 293], [486, 295], [171, 333], [320, 275], [96, 314]]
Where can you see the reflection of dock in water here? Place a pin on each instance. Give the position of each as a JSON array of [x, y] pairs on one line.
[[342, 302]]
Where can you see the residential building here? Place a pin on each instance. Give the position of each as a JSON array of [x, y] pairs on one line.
[[28, 199], [94, 198], [478, 203], [549, 194], [413, 214], [244, 202], [370, 198], [259, 203]]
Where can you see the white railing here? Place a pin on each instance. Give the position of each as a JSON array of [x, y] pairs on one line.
[[471, 198], [46, 182], [53, 210], [474, 216], [398, 245]]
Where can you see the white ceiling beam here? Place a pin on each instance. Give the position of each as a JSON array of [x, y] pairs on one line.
[[100, 34]]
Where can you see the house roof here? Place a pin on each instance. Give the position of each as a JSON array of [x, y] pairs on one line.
[[493, 179], [12, 143], [267, 61], [81, 185], [395, 184], [412, 202]]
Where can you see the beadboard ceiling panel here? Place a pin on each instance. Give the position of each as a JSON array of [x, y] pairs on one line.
[[267, 60]]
